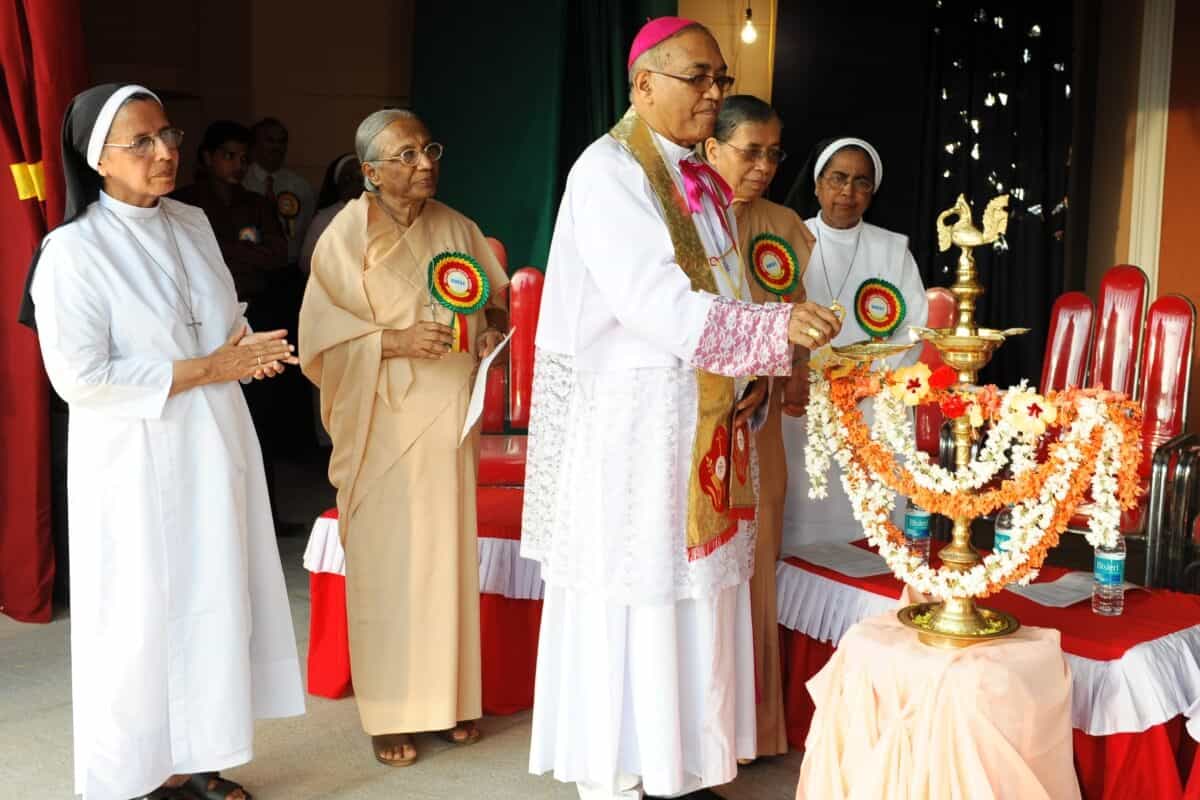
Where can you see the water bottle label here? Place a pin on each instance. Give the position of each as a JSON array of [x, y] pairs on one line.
[[916, 524], [1002, 537], [1109, 569]]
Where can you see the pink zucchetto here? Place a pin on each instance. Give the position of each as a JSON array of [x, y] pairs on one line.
[[654, 32]]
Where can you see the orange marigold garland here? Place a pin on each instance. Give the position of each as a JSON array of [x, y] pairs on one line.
[[1096, 448]]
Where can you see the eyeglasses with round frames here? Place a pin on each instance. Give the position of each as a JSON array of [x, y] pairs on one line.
[[838, 180], [411, 155], [774, 155], [143, 146], [702, 82]]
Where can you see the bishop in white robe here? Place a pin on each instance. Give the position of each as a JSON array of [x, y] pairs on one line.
[[645, 675]]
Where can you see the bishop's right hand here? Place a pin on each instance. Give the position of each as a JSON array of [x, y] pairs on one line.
[[812, 326]]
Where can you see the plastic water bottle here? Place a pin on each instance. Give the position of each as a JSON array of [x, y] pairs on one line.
[[916, 529], [1108, 593], [1004, 524]]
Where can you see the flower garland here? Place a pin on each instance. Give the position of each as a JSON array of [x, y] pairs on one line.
[[1097, 449]]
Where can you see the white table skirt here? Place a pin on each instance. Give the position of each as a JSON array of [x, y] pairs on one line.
[[501, 569]]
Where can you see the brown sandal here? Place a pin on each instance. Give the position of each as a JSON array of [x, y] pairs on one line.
[[472, 736], [390, 740], [211, 786]]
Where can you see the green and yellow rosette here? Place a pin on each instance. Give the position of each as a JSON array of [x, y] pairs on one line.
[[458, 282], [879, 308], [774, 265]]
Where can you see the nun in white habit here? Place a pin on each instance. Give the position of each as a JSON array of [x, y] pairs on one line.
[[870, 272], [181, 633]]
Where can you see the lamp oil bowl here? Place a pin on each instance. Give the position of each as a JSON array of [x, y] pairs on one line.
[[870, 350], [966, 352]]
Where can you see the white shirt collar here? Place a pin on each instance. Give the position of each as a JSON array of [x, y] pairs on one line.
[[126, 210], [672, 153], [838, 234]]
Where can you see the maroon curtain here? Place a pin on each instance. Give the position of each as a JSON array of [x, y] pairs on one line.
[[42, 67]]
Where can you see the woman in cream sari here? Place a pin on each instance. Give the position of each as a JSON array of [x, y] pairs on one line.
[[745, 149], [394, 364]]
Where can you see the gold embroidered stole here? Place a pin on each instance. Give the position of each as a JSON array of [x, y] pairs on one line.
[[720, 489]]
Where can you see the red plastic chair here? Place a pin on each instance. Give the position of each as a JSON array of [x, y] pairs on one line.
[[506, 404], [929, 416], [1117, 346], [1068, 342], [1166, 370]]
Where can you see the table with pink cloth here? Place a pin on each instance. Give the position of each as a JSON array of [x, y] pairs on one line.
[[896, 719], [1135, 709]]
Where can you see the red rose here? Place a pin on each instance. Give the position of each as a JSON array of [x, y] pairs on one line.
[[943, 378]]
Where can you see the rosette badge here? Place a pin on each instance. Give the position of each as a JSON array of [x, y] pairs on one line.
[[774, 265], [879, 308], [458, 283]]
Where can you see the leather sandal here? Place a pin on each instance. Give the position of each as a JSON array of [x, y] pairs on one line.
[[211, 786], [472, 736], [389, 741]]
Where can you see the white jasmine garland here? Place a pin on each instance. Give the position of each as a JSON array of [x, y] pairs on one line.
[[872, 501]]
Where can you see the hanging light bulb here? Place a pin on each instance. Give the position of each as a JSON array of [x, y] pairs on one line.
[[749, 32]]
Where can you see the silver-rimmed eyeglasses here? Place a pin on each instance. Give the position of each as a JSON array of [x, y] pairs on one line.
[[411, 155], [143, 146]]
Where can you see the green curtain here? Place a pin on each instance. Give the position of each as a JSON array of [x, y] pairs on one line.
[[487, 80], [516, 97], [595, 80]]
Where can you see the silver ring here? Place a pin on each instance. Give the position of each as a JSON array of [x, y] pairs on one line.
[[259, 360]]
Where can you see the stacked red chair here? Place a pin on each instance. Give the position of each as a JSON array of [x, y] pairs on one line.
[[1068, 343], [1118, 343], [510, 601], [1165, 374]]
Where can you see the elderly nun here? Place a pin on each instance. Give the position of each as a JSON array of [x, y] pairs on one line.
[[404, 298], [181, 633], [869, 271]]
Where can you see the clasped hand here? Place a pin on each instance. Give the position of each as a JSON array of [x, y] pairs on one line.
[[251, 355]]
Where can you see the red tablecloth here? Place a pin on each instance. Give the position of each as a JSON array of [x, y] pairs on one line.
[[1138, 765], [1148, 615]]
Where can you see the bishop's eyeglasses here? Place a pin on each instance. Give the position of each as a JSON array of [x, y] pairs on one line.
[[702, 82]]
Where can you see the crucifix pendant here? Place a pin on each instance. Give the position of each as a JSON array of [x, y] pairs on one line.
[[195, 326]]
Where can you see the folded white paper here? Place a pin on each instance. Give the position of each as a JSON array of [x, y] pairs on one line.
[[475, 407], [1072, 588], [849, 560]]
